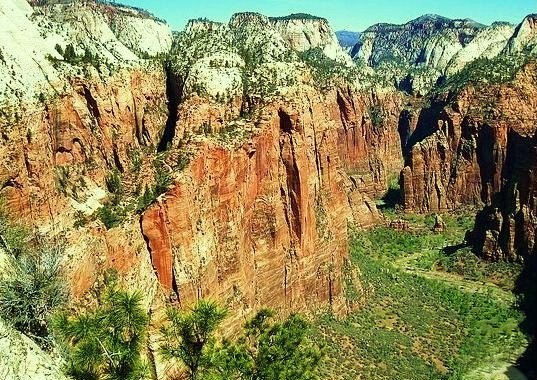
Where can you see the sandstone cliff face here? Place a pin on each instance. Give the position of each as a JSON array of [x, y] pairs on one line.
[[258, 220], [262, 225], [369, 143], [478, 148], [457, 153], [412, 41], [57, 149], [69, 145]]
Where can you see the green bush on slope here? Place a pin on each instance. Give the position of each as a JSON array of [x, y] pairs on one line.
[[266, 350], [105, 343], [33, 285]]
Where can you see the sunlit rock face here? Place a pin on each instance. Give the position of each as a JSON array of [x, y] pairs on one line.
[[259, 219], [478, 148], [430, 48]]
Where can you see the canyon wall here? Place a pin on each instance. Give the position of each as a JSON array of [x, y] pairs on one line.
[[262, 187], [264, 224], [477, 147]]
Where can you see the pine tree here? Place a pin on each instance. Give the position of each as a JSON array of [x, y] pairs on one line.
[[270, 350], [106, 343], [189, 336]]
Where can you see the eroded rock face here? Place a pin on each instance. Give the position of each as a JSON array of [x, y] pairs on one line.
[[418, 54], [261, 225], [479, 148], [458, 151], [258, 223], [506, 228], [22, 359], [304, 32], [32, 66], [70, 144], [525, 36], [369, 139]]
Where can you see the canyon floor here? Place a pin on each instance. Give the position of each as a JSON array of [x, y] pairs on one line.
[[428, 308]]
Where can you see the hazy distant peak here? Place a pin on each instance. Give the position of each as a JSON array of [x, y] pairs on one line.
[[427, 21]]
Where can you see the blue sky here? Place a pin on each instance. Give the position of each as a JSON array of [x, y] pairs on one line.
[[354, 15]]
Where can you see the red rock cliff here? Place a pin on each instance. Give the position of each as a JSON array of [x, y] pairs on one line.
[[264, 224], [458, 151], [479, 148]]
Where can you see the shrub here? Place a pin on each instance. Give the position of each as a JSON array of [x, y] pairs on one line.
[[270, 350], [105, 343], [69, 53], [189, 336], [59, 49], [34, 289], [111, 216], [145, 200], [114, 183], [12, 236], [377, 117], [163, 178], [136, 160]]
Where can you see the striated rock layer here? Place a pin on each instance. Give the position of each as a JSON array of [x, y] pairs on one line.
[[264, 224], [256, 219], [478, 147]]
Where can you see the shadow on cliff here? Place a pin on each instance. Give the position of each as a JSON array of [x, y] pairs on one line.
[[526, 289], [174, 93], [426, 125]]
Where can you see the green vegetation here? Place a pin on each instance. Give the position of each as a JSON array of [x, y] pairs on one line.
[[417, 321], [105, 343], [34, 286], [270, 350], [377, 117], [298, 16], [266, 350], [114, 212], [500, 69], [189, 337], [114, 183], [121, 203], [70, 56], [112, 215], [465, 263], [136, 160], [324, 70], [162, 182], [13, 236]]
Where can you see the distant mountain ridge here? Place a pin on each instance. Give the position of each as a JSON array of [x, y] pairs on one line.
[[419, 53]]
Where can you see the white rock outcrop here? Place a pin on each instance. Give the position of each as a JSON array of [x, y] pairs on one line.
[[31, 65], [304, 33], [22, 359]]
